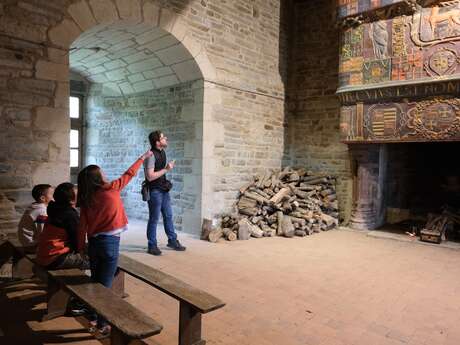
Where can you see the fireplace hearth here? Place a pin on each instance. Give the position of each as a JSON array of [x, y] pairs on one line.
[[402, 187]]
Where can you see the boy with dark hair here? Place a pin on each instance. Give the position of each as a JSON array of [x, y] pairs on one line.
[[34, 218]]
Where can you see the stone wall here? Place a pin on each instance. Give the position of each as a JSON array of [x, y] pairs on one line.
[[236, 45], [33, 106], [249, 139], [313, 123], [117, 133]]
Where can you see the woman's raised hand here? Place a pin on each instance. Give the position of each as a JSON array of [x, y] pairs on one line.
[[146, 155]]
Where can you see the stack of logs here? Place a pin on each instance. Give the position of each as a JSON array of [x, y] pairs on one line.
[[437, 224], [285, 203]]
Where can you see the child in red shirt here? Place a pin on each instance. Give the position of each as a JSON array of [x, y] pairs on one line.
[[102, 220]]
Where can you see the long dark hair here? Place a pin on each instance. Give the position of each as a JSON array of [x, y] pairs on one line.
[[89, 181]]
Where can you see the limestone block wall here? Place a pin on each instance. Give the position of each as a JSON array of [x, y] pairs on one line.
[[33, 105], [313, 123], [236, 45]]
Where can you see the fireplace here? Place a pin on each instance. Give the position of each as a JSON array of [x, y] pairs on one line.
[[398, 187], [399, 81]]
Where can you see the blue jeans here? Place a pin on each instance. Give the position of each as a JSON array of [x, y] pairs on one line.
[[103, 254], [160, 201]]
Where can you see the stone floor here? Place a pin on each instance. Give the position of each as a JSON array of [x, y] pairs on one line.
[[335, 288]]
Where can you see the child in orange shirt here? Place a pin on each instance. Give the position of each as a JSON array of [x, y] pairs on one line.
[[102, 220]]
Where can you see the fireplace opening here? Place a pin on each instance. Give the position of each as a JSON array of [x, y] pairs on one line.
[[422, 185]]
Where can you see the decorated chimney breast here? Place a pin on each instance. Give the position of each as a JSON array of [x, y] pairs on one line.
[[399, 82], [399, 70]]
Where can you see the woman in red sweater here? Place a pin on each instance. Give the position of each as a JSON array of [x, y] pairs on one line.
[[102, 220]]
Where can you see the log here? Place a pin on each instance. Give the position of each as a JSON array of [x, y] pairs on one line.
[[215, 235], [328, 220], [243, 229], [294, 177], [280, 215], [256, 231], [315, 179], [252, 211], [287, 227], [261, 181], [245, 187], [306, 186], [260, 192], [280, 195], [229, 234], [300, 221], [260, 199], [206, 228], [246, 202], [327, 192]]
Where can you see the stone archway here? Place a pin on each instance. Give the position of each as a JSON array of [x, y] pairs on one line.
[[87, 16]]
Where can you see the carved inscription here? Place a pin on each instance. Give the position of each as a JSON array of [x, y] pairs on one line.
[[435, 119], [402, 91]]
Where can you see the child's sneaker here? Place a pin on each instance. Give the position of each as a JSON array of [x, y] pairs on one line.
[[103, 332]]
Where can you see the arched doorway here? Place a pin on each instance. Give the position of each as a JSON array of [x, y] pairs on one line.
[[143, 73]]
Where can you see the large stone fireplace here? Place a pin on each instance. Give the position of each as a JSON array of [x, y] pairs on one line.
[[400, 108]]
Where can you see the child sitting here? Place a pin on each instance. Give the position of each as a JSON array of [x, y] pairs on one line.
[[57, 245], [32, 221]]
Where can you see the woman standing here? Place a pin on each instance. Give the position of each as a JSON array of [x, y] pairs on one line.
[[102, 220]]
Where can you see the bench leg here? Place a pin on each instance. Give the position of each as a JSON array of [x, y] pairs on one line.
[[189, 325], [6, 259], [118, 284], [57, 301], [22, 267], [118, 338]]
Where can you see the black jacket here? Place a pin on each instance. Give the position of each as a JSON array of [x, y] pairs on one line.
[[67, 218]]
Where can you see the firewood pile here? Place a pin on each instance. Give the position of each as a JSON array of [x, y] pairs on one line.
[[291, 202], [438, 224]]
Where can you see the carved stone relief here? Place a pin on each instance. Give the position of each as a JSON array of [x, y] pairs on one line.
[[420, 47], [434, 119]]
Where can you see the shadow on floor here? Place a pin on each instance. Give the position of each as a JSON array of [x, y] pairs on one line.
[[23, 302]]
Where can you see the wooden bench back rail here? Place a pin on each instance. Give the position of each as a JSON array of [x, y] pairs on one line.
[[193, 301], [127, 321], [199, 299]]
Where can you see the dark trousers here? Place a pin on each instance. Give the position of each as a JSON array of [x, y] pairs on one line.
[[103, 254], [69, 260]]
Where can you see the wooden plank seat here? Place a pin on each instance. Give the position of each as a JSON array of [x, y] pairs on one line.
[[193, 301], [127, 321], [22, 266]]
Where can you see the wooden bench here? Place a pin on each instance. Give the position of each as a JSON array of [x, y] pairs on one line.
[[193, 301], [22, 266], [127, 322]]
